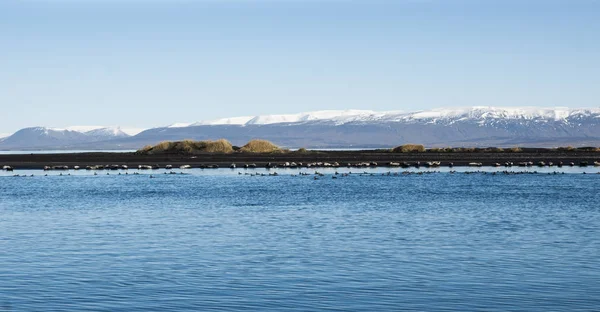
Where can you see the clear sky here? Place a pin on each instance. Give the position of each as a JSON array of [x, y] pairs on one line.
[[146, 63]]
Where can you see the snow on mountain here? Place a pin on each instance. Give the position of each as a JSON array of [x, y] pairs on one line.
[[225, 121], [482, 112], [132, 131], [180, 125], [282, 118], [47, 131], [304, 117], [495, 116], [103, 130], [446, 115], [108, 132], [79, 128]]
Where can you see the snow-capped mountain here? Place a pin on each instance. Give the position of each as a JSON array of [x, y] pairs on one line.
[[485, 115], [469, 126], [480, 114], [285, 118], [50, 138], [332, 115], [107, 133]]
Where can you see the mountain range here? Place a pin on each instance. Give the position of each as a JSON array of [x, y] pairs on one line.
[[54, 138], [470, 126]]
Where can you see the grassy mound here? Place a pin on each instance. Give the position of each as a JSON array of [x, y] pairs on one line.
[[218, 146], [409, 148], [515, 149], [260, 146], [188, 147]]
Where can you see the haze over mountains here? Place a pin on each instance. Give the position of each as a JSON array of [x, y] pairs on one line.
[[472, 126]]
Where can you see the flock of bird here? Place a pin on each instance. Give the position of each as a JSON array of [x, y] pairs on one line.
[[318, 175]]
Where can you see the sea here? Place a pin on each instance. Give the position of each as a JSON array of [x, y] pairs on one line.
[[250, 240]]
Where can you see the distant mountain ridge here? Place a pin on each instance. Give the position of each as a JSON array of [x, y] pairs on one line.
[[282, 118], [469, 126], [55, 138], [449, 115]]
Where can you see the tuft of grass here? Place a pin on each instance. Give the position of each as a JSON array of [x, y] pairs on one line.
[[565, 148], [441, 150], [302, 150], [515, 149], [218, 146], [409, 148], [185, 146], [260, 146], [163, 146], [145, 149]]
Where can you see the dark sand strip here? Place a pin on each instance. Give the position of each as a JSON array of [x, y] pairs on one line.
[[38, 161]]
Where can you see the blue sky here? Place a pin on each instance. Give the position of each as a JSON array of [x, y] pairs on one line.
[[145, 63]]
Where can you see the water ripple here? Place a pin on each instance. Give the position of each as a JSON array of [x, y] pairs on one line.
[[223, 242]]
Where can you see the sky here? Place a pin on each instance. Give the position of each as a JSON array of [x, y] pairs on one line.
[[148, 63]]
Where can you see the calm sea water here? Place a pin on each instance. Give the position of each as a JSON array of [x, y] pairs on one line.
[[214, 240]]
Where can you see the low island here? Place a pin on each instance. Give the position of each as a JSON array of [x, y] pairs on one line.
[[264, 154]]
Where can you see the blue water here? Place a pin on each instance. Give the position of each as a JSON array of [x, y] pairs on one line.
[[214, 240]]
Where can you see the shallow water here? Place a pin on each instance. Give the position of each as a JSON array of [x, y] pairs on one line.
[[216, 240]]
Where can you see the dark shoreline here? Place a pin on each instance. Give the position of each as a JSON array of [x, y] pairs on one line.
[[343, 158]]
